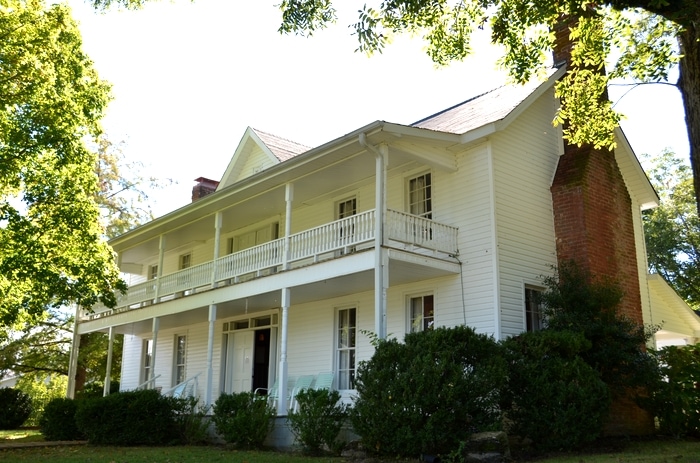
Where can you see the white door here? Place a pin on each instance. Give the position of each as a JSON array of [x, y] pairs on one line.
[[242, 368]]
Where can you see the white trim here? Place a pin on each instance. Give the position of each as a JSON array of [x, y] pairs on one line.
[[494, 245]]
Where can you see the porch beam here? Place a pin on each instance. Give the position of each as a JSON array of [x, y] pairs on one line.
[[108, 373], [218, 221], [161, 256], [283, 380], [156, 327], [74, 350], [289, 199], [210, 356]]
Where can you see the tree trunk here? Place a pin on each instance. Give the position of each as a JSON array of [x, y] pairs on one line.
[[689, 85]]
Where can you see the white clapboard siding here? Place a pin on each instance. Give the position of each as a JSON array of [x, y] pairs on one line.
[[525, 157]]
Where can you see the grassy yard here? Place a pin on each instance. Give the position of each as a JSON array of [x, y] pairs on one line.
[[651, 451]]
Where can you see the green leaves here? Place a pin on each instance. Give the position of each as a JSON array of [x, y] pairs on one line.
[[52, 250]]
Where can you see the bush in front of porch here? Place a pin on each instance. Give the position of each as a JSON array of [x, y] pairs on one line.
[[429, 393], [243, 419]]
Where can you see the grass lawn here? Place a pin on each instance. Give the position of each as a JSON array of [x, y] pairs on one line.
[[615, 451]]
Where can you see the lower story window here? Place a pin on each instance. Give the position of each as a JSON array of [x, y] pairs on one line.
[[179, 374], [533, 309], [421, 313], [345, 348], [147, 359]]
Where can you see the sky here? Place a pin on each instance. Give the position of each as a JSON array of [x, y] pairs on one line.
[[188, 78]]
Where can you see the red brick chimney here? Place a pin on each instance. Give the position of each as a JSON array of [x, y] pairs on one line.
[[203, 187], [594, 228]]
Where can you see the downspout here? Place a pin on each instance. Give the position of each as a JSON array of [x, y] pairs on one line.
[[381, 267]]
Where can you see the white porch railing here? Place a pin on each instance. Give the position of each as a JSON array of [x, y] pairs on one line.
[[327, 241]]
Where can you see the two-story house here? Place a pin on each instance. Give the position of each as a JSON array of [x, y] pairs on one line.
[[300, 252]]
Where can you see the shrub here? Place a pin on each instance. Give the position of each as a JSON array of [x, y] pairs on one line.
[[576, 301], [16, 407], [319, 420], [190, 420], [675, 400], [141, 417], [426, 395], [58, 420], [553, 397], [243, 419]]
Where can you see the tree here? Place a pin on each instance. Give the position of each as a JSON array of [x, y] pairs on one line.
[[648, 37], [41, 347], [672, 230], [52, 247]]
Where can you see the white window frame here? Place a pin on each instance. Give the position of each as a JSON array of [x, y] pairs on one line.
[[415, 325], [146, 360], [534, 320], [345, 349], [427, 198], [179, 359], [185, 261]]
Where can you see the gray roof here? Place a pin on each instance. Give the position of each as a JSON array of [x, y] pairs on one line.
[[282, 148], [478, 111]]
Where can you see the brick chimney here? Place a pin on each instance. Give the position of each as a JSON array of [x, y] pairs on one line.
[[594, 228], [203, 187]]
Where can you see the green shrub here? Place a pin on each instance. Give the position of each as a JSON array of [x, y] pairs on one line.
[[58, 420], [141, 417], [243, 419], [576, 301], [319, 420], [429, 393], [190, 420], [675, 400], [16, 407], [553, 397]]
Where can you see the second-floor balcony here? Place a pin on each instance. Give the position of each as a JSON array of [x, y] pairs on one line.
[[335, 239]]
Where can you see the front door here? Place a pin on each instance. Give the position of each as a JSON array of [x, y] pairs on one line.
[[242, 361]]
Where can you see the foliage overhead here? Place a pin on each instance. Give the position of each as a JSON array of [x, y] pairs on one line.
[[52, 247], [672, 230]]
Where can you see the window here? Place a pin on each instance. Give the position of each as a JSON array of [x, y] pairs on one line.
[[345, 349], [347, 208], [533, 309], [147, 359], [153, 272], [185, 261], [420, 197], [179, 374], [421, 313]]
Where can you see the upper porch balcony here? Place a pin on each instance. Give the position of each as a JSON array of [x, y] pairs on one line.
[[332, 240]]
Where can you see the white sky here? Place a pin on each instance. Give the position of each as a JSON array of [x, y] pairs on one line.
[[189, 77]]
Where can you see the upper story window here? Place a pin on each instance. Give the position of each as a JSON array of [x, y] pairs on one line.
[[421, 313], [185, 261], [152, 272], [534, 320], [420, 196], [347, 208]]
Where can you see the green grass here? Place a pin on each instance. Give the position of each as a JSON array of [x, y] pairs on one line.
[[21, 435], [616, 451], [85, 454]]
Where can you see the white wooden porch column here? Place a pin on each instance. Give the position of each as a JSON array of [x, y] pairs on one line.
[[156, 327], [161, 254], [210, 357], [289, 198], [282, 382], [108, 373], [74, 350], [217, 245]]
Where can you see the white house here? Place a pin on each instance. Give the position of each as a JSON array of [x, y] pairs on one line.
[[299, 252]]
